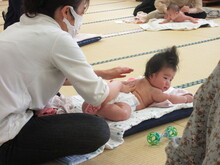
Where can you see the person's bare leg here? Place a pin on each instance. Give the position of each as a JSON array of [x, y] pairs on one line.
[[89, 108], [115, 112]]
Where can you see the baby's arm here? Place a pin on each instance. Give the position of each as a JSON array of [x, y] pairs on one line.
[[180, 99], [159, 96], [165, 21], [193, 20]]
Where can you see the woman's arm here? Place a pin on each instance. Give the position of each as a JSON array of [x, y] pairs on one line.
[[161, 5], [118, 86], [108, 74], [196, 8], [117, 72]]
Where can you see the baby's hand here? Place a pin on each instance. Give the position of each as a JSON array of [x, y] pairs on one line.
[[195, 20], [162, 22], [128, 86], [189, 98], [165, 21]]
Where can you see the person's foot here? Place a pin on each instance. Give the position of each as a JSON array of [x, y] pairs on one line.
[[46, 112], [91, 109]]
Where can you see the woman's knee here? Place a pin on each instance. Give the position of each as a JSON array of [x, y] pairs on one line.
[[99, 133], [101, 129]]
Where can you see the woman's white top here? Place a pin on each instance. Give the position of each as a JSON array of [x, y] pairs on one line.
[[36, 56]]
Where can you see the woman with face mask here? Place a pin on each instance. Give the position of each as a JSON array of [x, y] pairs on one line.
[[37, 55]]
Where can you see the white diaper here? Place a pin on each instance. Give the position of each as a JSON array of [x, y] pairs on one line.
[[127, 98]]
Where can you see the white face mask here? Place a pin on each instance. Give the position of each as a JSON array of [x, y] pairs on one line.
[[73, 30]]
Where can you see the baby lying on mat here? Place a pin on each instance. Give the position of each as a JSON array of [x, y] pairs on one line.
[[160, 71], [174, 14]]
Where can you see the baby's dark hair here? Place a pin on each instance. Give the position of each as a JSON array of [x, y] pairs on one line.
[[173, 7], [166, 59]]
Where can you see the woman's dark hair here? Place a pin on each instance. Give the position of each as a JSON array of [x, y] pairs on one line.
[[48, 7], [166, 59]]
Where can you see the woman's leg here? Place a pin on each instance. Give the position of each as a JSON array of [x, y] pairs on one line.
[[200, 142], [46, 138], [146, 6], [197, 15]]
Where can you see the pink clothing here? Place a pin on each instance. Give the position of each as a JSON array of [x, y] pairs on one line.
[[57, 105]]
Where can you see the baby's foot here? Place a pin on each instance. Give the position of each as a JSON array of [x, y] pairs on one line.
[[46, 112], [91, 109]]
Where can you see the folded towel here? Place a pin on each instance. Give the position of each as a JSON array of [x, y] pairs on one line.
[[154, 25]]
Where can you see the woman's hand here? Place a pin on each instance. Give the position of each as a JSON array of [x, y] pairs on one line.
[[109, 74], [128, 86], [185, 9], [117, 72]]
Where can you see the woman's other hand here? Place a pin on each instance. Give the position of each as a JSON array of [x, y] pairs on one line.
[[117, 72], [185, 9], [128, 86]]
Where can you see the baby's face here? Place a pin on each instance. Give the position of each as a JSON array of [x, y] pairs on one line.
[[162, 79], [172, 14]]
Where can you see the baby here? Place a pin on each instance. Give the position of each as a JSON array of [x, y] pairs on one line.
[[160, 71], [174, 14]]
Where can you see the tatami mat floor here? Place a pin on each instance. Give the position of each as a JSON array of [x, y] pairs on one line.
[[197, 60]]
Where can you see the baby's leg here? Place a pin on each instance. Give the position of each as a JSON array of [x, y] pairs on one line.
[[116, 112], [89, 108]]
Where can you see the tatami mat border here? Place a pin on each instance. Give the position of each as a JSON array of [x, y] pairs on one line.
[[136, 30], [186, 85], [106, 20], [99, 4], [154, 51], [102, 11]]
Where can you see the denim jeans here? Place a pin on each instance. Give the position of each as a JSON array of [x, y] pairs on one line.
[[46, 138]]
